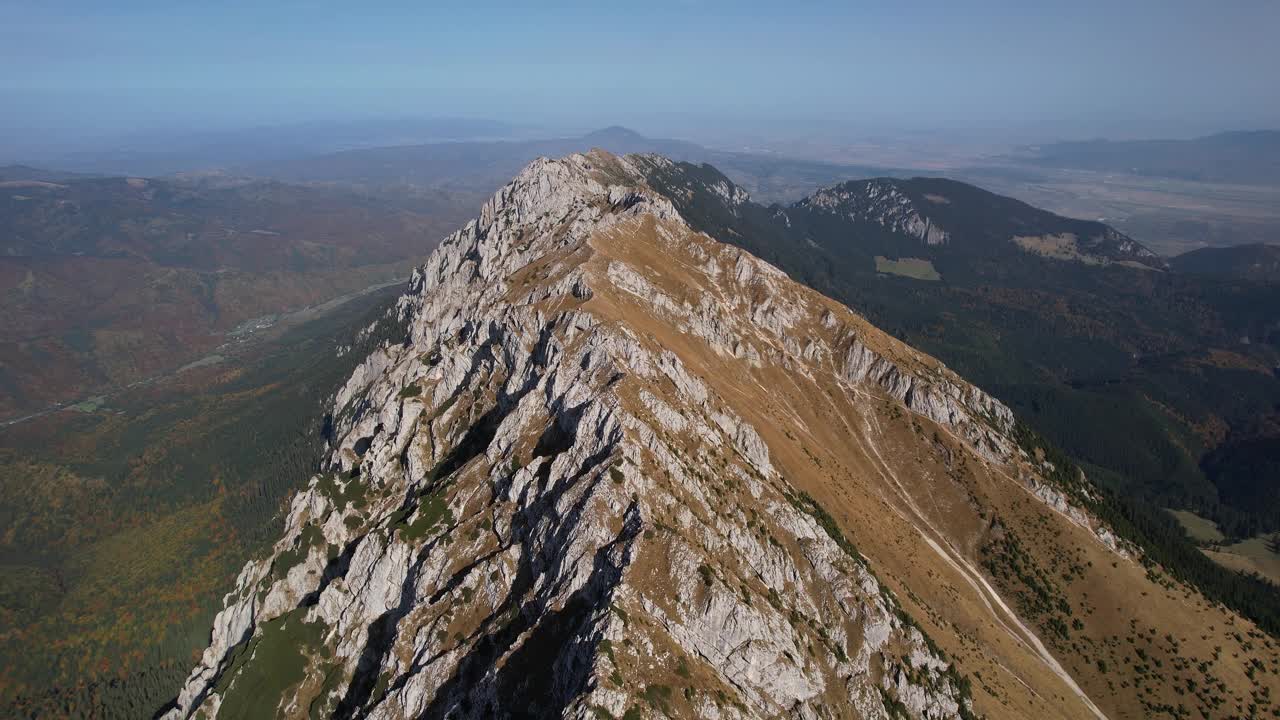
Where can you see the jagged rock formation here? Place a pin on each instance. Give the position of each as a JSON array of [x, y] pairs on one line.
[[878, 201], [935, 212], [619, 469]]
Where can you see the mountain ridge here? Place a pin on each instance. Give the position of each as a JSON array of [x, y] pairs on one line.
[[910, 206], [489, 165]]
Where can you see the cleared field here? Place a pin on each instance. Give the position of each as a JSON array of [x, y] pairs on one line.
[[907, 267], [1249, 556], [1200, 529]]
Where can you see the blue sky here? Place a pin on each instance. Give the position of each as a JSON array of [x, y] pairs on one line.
[[1066, 69]]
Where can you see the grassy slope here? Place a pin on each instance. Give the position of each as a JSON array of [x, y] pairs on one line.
[[1116, 366], [1198, 528], [1075, 349], [1250, 556], [926, 513]]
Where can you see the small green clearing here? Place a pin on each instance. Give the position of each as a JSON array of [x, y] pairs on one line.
[[1255, 555], [917, 268], [1200, 529]]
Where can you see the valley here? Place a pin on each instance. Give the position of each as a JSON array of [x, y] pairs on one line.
[[242, 340], [176, 265]]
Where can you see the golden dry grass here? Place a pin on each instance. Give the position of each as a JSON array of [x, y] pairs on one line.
[[921, 507]]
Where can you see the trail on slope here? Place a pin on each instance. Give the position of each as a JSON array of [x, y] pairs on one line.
[[972, 575]]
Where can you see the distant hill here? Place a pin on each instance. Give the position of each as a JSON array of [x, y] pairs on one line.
[[1251, 157], [965, 218], [1259, 262], [11, 175], [153, 154], [470, 164]]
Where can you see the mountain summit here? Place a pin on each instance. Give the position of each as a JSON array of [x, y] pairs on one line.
[[606, 466]]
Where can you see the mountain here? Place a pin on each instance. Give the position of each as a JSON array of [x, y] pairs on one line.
[[1251, 157], [108, 281], [1258, 262], [604, 465], [486, 166], [621, 140], [933, 210], [873, 222]]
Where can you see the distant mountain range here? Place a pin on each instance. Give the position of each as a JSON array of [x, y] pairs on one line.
[[485, 166], [434, 153], [15, 175], [156, 153], [1251, 157]]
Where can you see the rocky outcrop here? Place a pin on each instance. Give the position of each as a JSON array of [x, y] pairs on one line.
[[974, 415], [879, 201]]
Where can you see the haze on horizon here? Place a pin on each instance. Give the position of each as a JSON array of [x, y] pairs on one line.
[[693, 68]]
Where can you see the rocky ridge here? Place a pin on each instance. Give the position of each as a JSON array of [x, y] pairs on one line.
[[879, 201], [568, 492], [937, 212]]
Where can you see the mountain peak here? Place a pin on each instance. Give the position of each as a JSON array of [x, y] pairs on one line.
[[551, 420], [610, 466]]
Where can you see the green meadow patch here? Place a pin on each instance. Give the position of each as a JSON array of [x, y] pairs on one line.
[[917, 268]]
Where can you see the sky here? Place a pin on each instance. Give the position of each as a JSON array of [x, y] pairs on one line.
[[1049, 68]]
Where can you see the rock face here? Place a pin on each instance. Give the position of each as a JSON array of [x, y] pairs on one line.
[[594, 481], [879, 201], [947, 215]]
